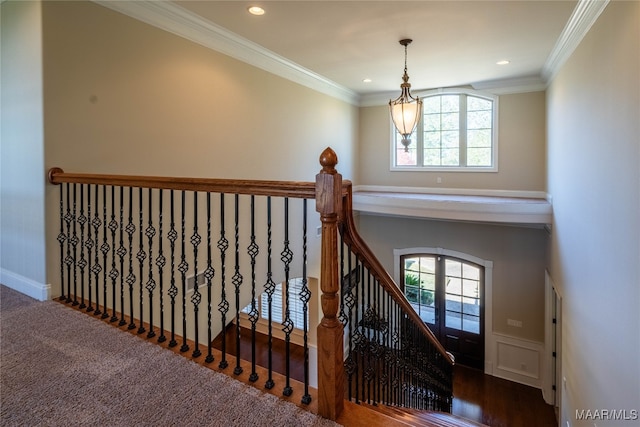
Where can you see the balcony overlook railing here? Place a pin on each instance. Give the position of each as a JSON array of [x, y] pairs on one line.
[[133, 250]]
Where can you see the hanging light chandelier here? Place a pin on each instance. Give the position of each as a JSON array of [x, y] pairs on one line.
[[405, 110]]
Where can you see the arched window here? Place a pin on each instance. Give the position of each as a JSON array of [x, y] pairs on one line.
[[457, 131]]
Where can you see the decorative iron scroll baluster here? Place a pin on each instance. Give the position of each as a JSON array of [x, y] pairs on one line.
[[150, 232], [105, 252], [82, 220], [161, 261], [173, 289], [122, 251], [209, 274], [90, 244], [141, 255], [131, 278], [96, 269], [196, 296], [269, 288], [74, 244], [62, 237], [223, 306], [183, 267], [68, 260], [305, 296], [253, 251], [350, 365], [113, 274], [287, 325], [357, 339], [237, 282]]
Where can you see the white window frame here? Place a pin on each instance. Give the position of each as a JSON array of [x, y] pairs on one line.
[[449, 91]]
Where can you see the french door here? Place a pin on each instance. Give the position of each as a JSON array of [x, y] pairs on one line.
[[448, 295]]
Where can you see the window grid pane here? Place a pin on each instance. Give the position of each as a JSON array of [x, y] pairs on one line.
[[448, 139]]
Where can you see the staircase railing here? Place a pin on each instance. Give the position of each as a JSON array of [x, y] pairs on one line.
[[393, 357], [176, 260]]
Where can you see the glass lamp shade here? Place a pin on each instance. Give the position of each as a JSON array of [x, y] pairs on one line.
[[405, 113]]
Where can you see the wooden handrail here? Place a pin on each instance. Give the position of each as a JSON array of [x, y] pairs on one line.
[[358, 246], [295, 189]]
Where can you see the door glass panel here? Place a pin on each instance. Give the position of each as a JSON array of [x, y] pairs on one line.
[[420, 285], [471, 323]]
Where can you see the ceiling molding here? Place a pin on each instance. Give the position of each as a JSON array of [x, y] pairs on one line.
[[583, 17], [181, 22]]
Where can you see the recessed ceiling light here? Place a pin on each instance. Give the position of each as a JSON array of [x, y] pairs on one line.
[[503, 62], [256, 10], [366, 80]]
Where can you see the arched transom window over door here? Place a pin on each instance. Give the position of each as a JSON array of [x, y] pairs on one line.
[[448, 295]]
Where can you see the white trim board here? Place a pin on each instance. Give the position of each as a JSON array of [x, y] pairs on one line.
[[496, 206], [22, 284]]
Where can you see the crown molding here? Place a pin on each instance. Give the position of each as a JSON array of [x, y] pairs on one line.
[[181, 22], [583, 17]]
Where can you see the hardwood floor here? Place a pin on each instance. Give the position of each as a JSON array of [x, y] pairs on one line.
[[497, 402], [477, 397]]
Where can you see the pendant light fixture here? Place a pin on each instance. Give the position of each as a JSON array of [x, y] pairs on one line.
[[405, 110]]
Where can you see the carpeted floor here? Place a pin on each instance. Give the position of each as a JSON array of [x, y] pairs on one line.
[[59, 367]]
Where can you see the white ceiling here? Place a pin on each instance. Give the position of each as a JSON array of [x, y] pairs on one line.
[[332, 45], [454, 42]]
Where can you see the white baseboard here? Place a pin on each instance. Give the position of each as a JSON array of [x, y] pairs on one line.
[[39, 291], [516, 359]]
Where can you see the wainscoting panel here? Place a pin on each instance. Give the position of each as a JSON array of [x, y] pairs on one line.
[[518, 360]]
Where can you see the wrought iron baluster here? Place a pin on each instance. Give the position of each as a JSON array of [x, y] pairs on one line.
[[141, 255], [253, 251], [122, 251], [105, 248], [113, 274], [237, 282], [350, 366], [62, 237], [161, 261], [68, 260], [368, 321], [269, 288], [74, 244], [223, 306], [173, 289], [209, 273], [357, 337], [96, 269], [183, 267], [196, 297], [305, 296], [90, 244], [82, 263], [131, 278], [286, 256], [150, 232]]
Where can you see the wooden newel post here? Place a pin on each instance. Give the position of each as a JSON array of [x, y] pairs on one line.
[[330, 329]]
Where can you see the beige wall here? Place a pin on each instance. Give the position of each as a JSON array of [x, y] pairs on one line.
[[594, 178], [124, 97], [22, 183], [521, 155], [516, 253]]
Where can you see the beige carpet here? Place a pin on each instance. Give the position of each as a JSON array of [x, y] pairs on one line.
[[59, 367]]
